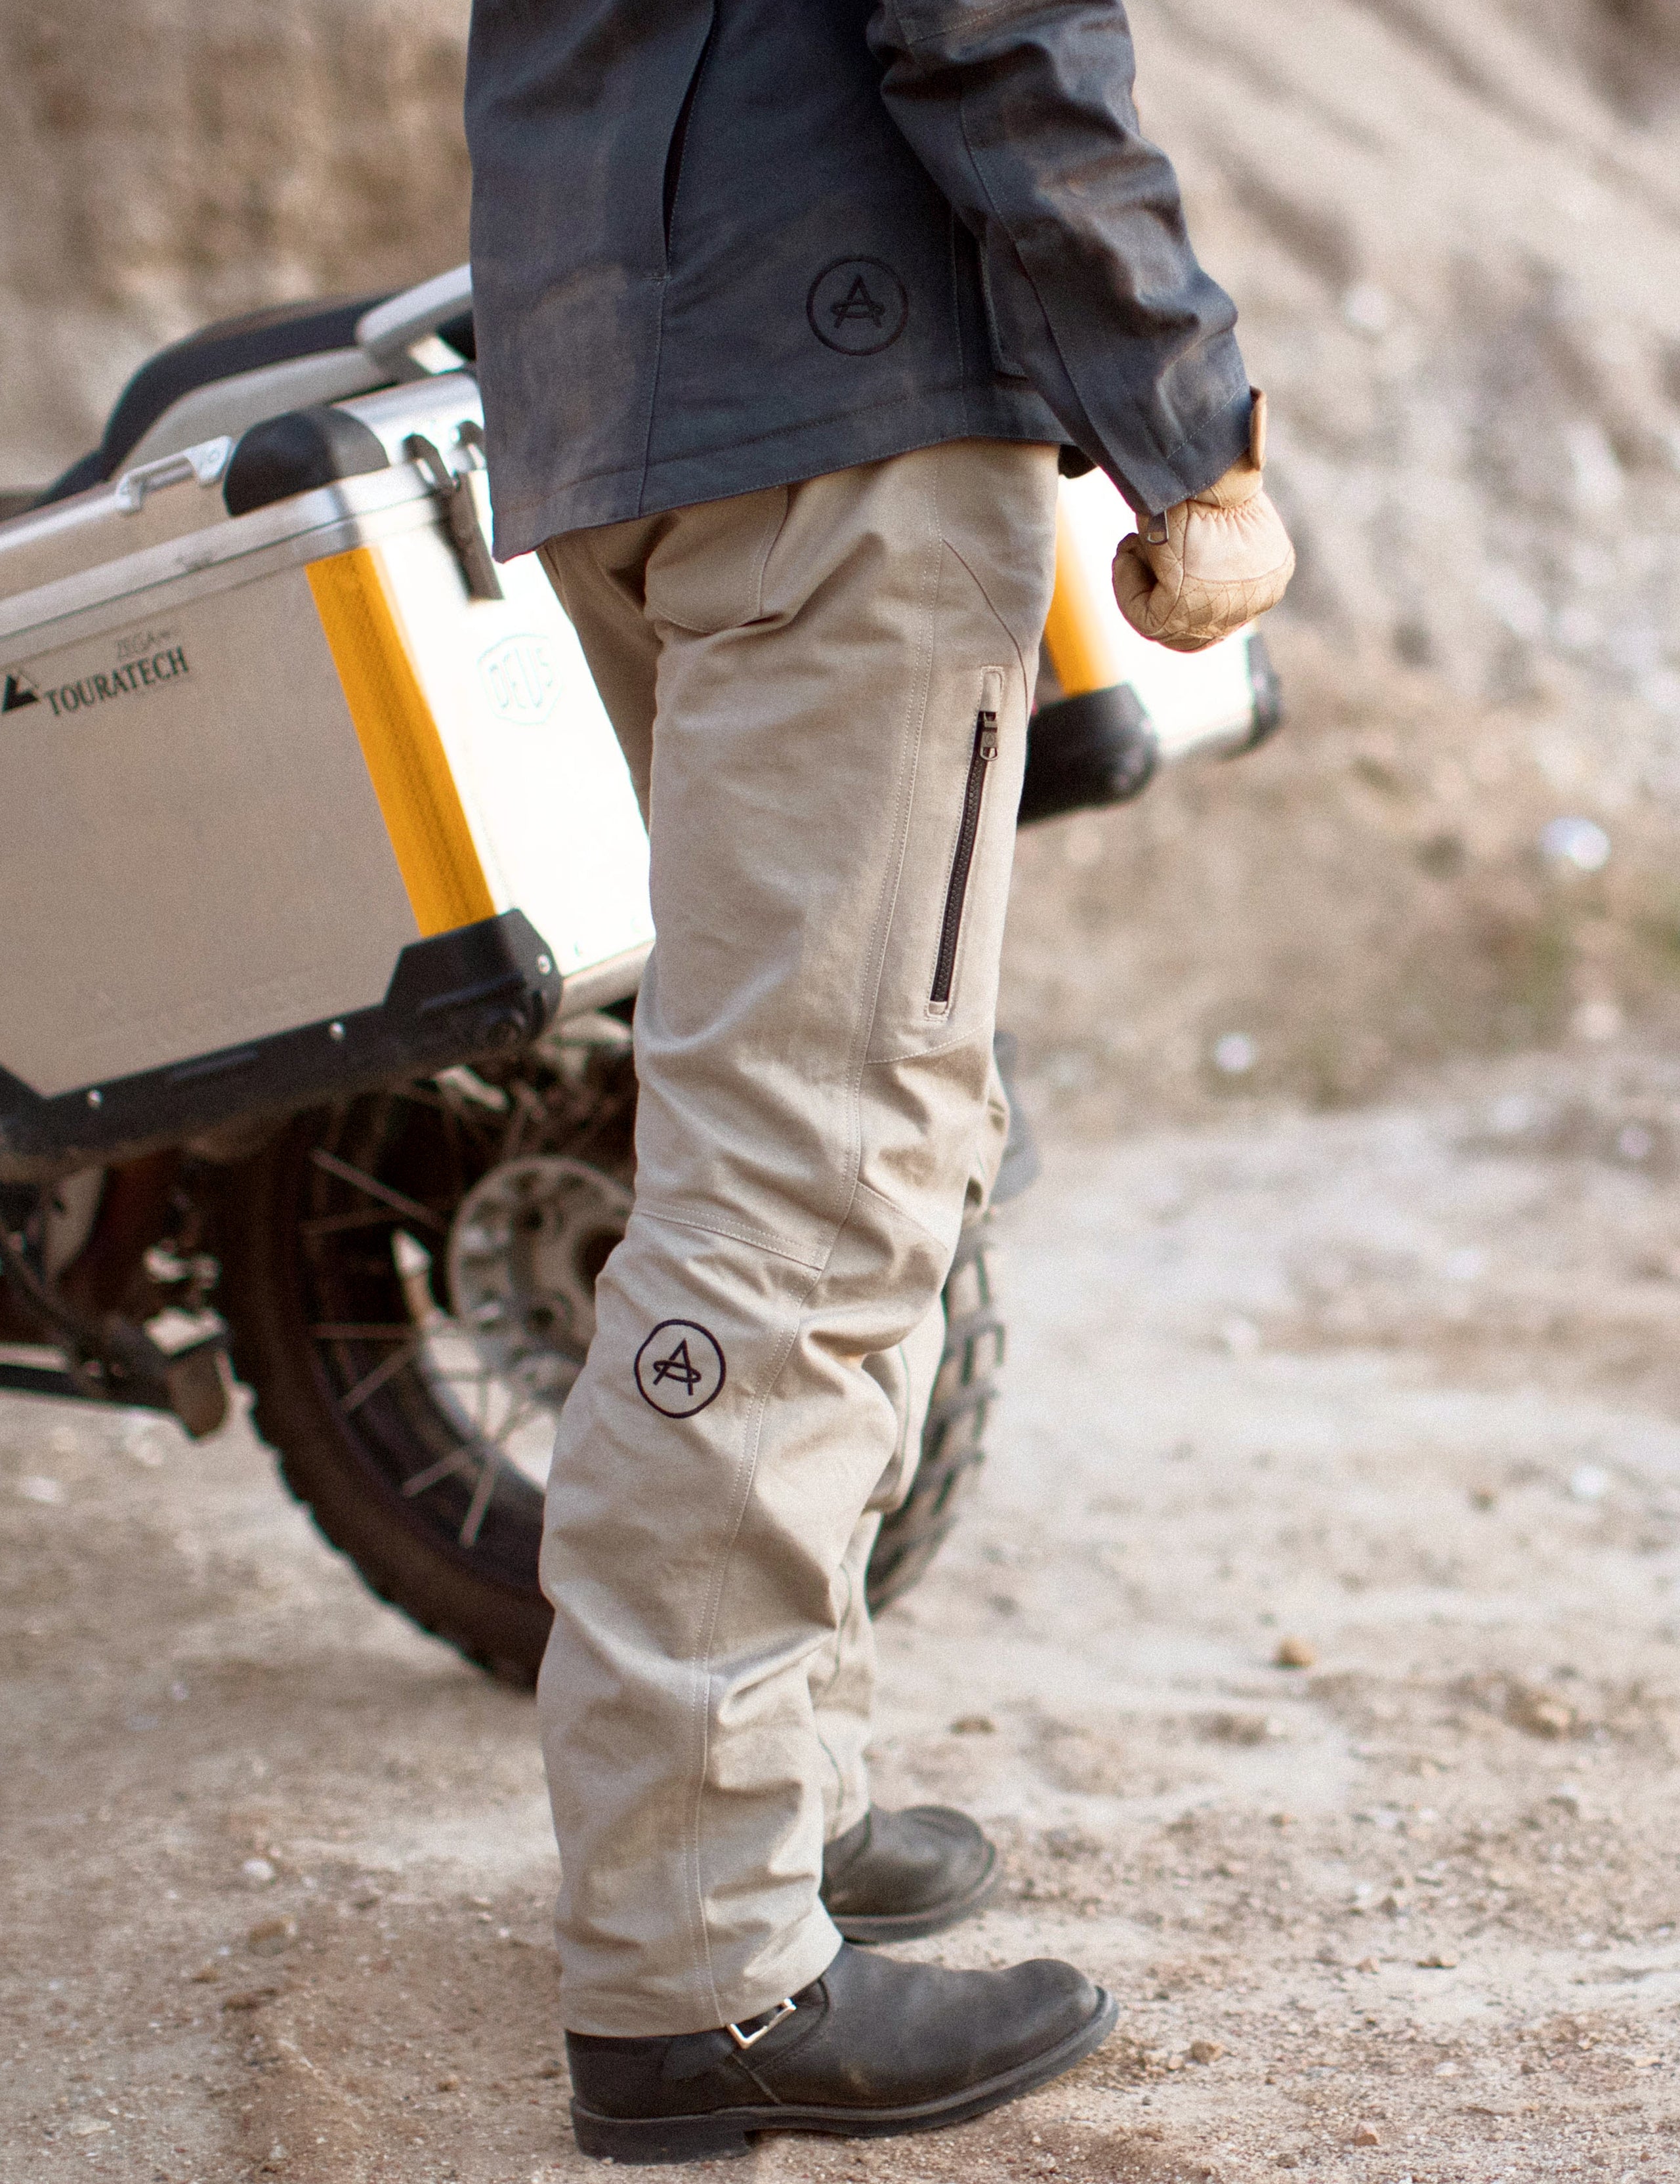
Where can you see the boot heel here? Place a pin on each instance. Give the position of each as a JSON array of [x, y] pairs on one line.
[[649, 2139]]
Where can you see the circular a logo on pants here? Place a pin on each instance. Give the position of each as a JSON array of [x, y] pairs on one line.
[[857, 305], [680, 1368]]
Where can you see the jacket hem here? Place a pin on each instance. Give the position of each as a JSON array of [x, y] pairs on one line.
[[786, 458]]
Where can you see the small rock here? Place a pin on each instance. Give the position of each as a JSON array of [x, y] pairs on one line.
[[1589, 1482], [205, 1974], [449, 2083], [1295, 1653], [1437, 1962], [552, 2069], [974, 1724], [47, 1491], [1365, 2136], [1482, 1497], [1245, 1728], [1540, 1713], [258, 1871], [1206, 2050], [85, 2127], [269, 1936], [252, 1998], [1366, 1964]]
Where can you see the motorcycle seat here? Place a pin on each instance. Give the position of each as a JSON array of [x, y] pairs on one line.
[[276, 355]]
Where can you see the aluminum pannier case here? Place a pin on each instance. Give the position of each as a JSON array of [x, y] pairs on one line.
[[299, 793]]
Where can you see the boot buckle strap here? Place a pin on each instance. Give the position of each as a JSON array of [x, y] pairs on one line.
[[767, 2023]]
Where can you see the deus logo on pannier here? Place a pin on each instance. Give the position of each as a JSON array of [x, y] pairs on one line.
[[520, 675]]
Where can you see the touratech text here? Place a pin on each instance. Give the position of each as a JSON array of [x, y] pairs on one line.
[[120, 682]]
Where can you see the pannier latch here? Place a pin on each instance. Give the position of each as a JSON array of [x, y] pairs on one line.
[[454, 489]]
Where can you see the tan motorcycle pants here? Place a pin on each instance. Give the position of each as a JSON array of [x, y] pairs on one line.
[[821, 691]]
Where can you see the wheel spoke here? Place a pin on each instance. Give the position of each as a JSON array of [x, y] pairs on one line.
[[382, 1191], [478, 1508], [511, 1424], [371, 1382], [459, 1461]]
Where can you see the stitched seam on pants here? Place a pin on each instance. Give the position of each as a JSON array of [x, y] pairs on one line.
[[922, 1053], [770, 547], [703, 1681], [827, 1750], [879, 940], [752, 591], [759, 1239], [961, 559], [882, 938], [868, 1190]]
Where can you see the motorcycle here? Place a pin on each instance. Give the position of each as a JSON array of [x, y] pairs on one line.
[[325, 899]]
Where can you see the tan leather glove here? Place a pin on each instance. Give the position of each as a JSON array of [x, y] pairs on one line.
[[1211, 564]]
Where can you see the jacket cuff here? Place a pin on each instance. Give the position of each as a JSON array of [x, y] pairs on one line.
[[1204, 457]]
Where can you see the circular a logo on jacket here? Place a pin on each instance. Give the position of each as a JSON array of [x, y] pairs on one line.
[[858, 305], [679, 1368]]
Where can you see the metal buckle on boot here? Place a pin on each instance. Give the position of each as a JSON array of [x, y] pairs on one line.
[[770, 2019]]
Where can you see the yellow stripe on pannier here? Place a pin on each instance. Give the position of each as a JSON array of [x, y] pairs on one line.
[[400, 744]]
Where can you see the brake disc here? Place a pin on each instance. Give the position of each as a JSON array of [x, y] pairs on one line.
[[524, 1248]]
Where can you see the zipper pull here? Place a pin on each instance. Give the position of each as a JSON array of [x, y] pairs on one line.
[[986, 738]]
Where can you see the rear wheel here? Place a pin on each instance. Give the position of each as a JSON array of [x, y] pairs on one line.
[[409, 1282]]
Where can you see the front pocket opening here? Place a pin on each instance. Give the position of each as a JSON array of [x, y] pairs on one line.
[[956, 893], [679, 135]]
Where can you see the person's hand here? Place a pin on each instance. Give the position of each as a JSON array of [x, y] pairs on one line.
[[1193, 575]]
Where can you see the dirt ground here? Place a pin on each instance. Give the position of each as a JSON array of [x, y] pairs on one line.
[[1394, 1394]]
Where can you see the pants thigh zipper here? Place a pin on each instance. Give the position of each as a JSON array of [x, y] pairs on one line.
[[950, 930]]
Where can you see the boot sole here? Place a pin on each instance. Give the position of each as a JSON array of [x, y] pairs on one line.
[[916, 1925], [727, 2133]]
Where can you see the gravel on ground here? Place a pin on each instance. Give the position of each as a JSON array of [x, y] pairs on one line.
[[1311, 1651]]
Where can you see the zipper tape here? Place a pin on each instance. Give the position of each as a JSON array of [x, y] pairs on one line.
[[982, 754]]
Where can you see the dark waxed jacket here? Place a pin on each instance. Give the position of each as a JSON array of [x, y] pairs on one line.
[[724, 244]]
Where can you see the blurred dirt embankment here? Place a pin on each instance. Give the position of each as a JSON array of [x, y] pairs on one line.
[[1454, 230], [163, 163]]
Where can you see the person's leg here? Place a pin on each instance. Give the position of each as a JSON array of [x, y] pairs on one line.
[[842, 674], [841, 1672], [601, 590]]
